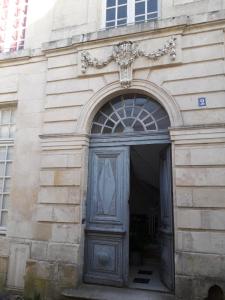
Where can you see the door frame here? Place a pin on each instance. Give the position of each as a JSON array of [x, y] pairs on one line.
[[134, 139]]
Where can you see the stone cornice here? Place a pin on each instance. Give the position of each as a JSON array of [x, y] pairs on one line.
[[63, 141], [163, 27], [198, 134], [166, 27]]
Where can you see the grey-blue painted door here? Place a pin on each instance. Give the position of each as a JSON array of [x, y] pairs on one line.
[[106, 242], [166, 222]]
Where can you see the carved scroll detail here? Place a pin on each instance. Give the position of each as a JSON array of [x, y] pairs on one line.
[[124, 54]]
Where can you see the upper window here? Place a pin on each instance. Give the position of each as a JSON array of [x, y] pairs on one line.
[[13, 21], [123, 12], [145, 10]]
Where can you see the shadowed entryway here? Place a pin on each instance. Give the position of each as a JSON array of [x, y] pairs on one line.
[[145, 218]]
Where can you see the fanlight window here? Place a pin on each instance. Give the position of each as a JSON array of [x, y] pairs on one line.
[[130, 113]]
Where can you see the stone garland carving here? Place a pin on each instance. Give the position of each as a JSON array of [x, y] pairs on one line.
[[124, 54]]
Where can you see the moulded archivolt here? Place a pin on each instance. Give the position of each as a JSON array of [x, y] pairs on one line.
[[124, 54]]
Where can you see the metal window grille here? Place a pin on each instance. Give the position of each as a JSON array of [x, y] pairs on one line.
[[130, 113]]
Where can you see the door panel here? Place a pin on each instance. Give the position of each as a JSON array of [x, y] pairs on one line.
[[106, 246], [166, 222]]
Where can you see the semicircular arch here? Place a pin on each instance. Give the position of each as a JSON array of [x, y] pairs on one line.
[[109, 91]]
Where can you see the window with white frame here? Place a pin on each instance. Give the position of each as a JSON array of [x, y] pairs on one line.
[[7, 131], [123, 12], [13, 22], [145, 10]]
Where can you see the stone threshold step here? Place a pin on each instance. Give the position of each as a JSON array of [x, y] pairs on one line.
[[98, 292]]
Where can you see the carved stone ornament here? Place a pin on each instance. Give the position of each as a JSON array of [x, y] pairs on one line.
[[124, 54]]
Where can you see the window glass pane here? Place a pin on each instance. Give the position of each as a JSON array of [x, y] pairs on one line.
[[136, 111], [4, 217], [1, 185], [129, 102], [2, 153], [107, 109], [139, 8], [164, 123], [110, 123], [151, 127], [100, 118], [6, 185], [4, 133], [6, 116], [122, 22], [140, 19], [148, 120], [122, 12], [138, 126], [128, 111], [143, 115], [5, 201], [13, 115], [140, 101], [110, 24], [121, 113], [8, 171], [114, 117], [152, 5], [152, 16], [151, 106], [9, 153], [122, 2], [111, 3], [2, 169], [110, 14], [12, 131], [128, 122], [119, 128], [96, 128], [159, 114], [107, 130]]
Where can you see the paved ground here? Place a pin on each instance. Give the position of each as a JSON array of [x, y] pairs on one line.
[[94, 292]]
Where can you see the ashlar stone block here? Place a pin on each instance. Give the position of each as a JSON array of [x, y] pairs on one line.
[[68, 274], [63, 252], [59, 213], [60, 177], [201, 241], [201, 219], [39, 250], [61, 160], [59, 195], [66, 233], [200, 176]]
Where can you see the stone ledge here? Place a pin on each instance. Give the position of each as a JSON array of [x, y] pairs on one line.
[[95, 292]]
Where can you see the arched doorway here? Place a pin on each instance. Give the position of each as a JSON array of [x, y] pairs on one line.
[[129, 228]]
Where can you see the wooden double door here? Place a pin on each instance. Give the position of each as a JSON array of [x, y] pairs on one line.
[[107, 224]]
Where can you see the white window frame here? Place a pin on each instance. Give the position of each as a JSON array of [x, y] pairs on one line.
[[130, 13], [7, 142]]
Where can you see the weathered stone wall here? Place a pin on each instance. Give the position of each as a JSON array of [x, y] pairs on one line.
[[45, 235], [199, 210]]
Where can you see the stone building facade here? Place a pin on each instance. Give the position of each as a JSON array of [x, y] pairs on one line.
[[50, 92]]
